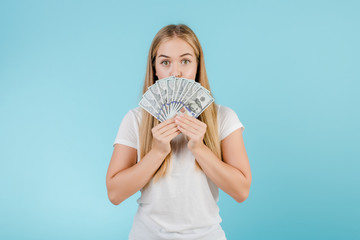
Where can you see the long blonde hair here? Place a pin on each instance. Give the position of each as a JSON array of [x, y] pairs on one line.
[[208, 116]]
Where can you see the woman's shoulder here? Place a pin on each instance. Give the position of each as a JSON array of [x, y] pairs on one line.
[[223, 110], [135, 112], [133, 115], [228, 121]]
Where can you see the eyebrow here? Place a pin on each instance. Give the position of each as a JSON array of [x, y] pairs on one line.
[[162, 55]]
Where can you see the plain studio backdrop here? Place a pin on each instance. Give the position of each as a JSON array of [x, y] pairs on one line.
[[70, 71]]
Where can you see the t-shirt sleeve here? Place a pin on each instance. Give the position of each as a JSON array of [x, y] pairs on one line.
[[127, 131], [229, 122]]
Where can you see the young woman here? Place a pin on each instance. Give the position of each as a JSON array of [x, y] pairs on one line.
[[178, 164]]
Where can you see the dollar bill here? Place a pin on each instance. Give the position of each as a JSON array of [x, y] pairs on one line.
[[150, 109], [158, 98], [164, 93], [148, 95], [171, 91], [191, 91], [181, 98], [198, 102], [169, 96]]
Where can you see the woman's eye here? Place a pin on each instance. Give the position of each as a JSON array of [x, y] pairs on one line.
[[164, 62]]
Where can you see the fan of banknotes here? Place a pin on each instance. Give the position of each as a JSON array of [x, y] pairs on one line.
[[170, 96]]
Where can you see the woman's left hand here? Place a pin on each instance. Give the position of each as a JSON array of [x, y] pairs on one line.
[[193, 129]]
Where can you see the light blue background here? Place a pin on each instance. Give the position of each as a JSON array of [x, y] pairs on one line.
[[70, 70]]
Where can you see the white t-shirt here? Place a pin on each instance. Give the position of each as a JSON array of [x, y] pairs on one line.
[[182, 205]]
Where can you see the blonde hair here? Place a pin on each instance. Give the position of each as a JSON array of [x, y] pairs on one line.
[[208, 116]]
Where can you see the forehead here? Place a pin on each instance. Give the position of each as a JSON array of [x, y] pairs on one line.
[[174, 48]]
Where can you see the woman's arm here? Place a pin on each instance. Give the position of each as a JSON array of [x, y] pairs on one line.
[[125, 177], [233, 175]]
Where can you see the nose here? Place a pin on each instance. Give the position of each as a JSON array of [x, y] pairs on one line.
[[176, 71]]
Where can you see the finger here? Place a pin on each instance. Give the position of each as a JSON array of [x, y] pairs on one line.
[[193, 120], [171, 136], [163, 124], [186, 124], [166, 128], [169, 132], [186, 132], [194, 133]]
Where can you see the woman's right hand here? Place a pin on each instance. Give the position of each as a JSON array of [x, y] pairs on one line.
[[163, 134]]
